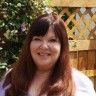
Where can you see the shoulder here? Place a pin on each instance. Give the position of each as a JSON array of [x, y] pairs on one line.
[[80, 77], [83, 84], [3, 89]]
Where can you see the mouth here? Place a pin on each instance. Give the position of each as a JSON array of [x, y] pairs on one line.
[[43, 54]]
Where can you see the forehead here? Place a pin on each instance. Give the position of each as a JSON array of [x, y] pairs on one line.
[[50, 33]]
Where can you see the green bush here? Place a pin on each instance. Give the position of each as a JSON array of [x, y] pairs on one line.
[[15, 19]]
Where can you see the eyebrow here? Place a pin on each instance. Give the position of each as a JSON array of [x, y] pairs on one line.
[[49, 37], [53, 37]]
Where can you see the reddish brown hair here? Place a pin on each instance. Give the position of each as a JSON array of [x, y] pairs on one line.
[[22, 74]]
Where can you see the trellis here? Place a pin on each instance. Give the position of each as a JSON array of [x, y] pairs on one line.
[[82, 23], [81, 28]]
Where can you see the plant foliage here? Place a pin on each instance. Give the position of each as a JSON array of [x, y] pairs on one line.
[[15, 19]]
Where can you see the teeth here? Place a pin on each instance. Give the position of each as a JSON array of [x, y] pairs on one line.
[[43, 54]]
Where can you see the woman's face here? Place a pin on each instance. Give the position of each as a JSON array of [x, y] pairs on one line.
[[45, 50]]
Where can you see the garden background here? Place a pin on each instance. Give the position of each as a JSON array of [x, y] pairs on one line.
[[80, 21]]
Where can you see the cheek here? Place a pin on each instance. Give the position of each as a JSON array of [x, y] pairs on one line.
[[33, 46], [32, 49], [56, 50]]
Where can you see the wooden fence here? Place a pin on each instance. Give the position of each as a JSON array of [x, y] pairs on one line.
[[80, 23], [83, 57], [81, 29]]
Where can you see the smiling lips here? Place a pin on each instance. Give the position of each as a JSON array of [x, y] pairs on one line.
[[43, 54]]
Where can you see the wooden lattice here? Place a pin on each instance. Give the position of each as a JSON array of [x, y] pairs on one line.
[[81, 27], [81, 24]]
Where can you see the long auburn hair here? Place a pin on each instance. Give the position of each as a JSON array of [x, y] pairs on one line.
[[23, 71]]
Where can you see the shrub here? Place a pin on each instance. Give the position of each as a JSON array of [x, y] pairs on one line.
[[15, 19]]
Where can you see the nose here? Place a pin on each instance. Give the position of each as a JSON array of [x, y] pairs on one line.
[[44, 45]]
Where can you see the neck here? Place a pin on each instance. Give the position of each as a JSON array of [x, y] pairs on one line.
[[42, 75], [39, 79]]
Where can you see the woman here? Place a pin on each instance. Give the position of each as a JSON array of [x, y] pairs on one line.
[[43, 68]]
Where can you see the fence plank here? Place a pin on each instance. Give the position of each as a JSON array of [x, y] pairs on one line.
[[73, 59], [80, 45], [91, 60], [73, 3], [82, 60]]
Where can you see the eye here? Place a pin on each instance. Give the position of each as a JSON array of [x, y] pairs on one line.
[[36, 39], [53, 40]]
